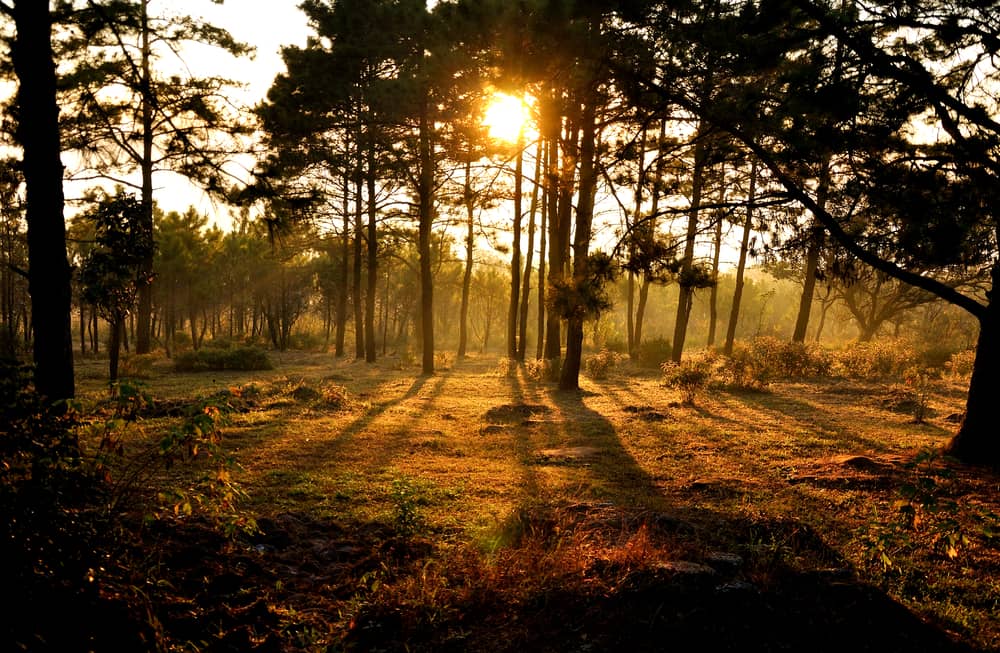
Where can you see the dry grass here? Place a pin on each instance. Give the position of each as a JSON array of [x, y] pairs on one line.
[[431, 511]]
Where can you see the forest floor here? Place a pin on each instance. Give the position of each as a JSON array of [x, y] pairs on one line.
[[479, 511]]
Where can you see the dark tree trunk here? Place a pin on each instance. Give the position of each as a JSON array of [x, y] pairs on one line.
[[38, 134], [342, 277], [522, 338], [734, 314], [372, 260], [114, 347], [426, 216], [359, 315], [542, 232], [686, 295], [570, 373], [463, 325], [515, 257], [713, 299], [808, 288], [977, 440], [145, 308]]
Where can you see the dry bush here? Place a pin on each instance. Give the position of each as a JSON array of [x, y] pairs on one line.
[[960, 364], [601, 364], [872, 361]]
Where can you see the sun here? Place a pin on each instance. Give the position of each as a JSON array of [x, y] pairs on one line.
[[506, 117]]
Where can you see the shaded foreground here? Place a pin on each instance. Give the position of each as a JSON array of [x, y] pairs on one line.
[[476, 512]]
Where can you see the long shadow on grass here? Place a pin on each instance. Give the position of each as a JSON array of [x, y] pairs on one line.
[[316, 453], [816, 419]]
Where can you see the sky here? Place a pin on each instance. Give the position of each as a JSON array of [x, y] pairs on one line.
[[265, 24]]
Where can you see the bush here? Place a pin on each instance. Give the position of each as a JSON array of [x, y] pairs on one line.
[[755, 363], [138, 366], [872, 361], [217, 358], [538, 369], [653, 353], [960, 364], [600, 365], [50, 525], [691, 376]]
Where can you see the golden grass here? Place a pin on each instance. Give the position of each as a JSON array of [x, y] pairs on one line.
[[544, 483]]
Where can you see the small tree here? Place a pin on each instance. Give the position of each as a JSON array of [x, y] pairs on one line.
[[111, 274]]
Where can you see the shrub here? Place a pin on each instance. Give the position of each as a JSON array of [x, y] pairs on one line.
[[538, 369], [745, 368], [50, 522], [960, 363], [217, 358], [691, 376], [755, 363], [138, 366], [653, 353], [875, 360], [600, 365], [506, 367]]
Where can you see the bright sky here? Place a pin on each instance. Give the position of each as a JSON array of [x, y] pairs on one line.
[[265, 24]]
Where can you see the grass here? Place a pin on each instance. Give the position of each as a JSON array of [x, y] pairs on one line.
[[474, 511]]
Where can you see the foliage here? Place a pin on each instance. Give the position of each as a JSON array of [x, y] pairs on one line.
[[542, 369], [585, 296], [601, 364], [506, 367], [653, 353], [406, 498], [691, 376], [875, 360], [755, 362], [918, 380], [960, 363], [925, 515], [242, 357], [50, 533]]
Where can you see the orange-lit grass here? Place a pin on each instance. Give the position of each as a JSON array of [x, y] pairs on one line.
[[511, 508]]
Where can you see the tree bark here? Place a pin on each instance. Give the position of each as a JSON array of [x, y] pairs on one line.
[[372, 258], [977, 440], [570, 374], [734, 313], [463, 325], [686, 295], [359, 315], [426, 219], [143, 342], [528, 259], [38, 133], [515, 256]]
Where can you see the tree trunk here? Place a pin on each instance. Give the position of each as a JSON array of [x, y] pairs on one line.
[[686, 295], [713, 299], [734, 313], [426, 217], [145, 307], [808, 287], [344, 273], [38, 133], [976, 441], [551, 125], [463, 324], [515, 256], [570, 373], [359, 315], [526, 290], [372, 260], [114, 347], [542, 232]]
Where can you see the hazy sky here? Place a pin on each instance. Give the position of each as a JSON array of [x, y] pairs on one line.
[[265, 24]]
